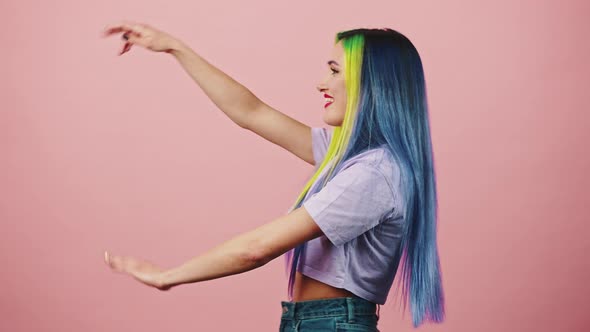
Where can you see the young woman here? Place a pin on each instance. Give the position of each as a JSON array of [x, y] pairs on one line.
[[370, 204]]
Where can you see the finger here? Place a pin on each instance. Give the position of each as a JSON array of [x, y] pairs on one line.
[[110, 260], [130, 34], [126, 48], [122, 26], [113, 261], [118, 263], [116, 29], [139, 29], [132, 40]]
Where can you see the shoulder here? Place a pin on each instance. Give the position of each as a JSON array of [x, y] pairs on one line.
[[381, 160]]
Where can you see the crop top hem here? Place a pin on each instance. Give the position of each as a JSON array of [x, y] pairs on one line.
[[337, 282]]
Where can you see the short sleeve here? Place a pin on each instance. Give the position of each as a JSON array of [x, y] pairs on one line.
[[352, 202], [320, 140]]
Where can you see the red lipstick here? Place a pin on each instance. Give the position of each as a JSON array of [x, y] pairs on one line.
[[329, 103]]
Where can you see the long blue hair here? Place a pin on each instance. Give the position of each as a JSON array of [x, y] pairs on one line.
[[387, 107]]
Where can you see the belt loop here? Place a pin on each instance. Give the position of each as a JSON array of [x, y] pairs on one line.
[[350, 310], [288, 313]]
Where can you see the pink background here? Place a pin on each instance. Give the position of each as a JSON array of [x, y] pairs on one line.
[[128, 154]]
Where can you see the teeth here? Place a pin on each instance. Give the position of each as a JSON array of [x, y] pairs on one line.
[[329, 100]]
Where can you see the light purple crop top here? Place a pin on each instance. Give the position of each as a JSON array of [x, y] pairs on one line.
[[360, 214]]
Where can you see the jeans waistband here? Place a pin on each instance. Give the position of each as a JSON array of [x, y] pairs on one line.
[[351, 306]]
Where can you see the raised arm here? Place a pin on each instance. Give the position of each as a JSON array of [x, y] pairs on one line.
[[231, 97], [244, 108]]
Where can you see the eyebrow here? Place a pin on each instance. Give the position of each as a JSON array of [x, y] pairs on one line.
[[333, 62]]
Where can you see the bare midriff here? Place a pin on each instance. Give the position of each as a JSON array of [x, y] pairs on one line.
[[306, 288]]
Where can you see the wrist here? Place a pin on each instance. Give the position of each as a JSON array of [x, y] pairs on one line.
[[165, 280], [176, 47]]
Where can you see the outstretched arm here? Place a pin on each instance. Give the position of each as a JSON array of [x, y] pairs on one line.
[[246, 251], [230, 96], [234, 99], [242, 253]]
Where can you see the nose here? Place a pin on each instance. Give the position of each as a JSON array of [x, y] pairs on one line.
[[321, 87]]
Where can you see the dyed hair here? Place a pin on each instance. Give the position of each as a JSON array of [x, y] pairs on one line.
[[387, 105]]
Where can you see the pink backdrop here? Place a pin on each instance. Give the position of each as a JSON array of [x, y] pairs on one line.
[[127, 154]]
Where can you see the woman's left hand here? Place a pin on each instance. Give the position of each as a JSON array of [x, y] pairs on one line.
[[143, 271]]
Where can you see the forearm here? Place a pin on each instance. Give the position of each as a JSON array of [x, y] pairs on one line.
[[235, 256], [234, 99]]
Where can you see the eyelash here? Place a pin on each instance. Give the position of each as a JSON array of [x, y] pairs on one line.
[[334, 71]]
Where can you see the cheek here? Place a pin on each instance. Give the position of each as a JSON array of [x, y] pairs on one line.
[[342, 97], [341, 88]]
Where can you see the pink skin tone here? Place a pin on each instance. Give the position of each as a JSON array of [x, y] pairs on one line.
[[334, 86]]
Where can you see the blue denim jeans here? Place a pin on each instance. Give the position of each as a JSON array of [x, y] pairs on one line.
[[335, 314]]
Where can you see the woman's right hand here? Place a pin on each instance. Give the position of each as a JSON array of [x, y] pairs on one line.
[[142, 35]]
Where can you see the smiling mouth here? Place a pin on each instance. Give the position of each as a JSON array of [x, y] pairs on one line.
[[329, 100]]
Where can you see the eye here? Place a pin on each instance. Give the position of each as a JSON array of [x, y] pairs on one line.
[[334, 71]]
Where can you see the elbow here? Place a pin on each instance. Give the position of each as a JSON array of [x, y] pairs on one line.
[[248, 113], [260, 246], [254, 255]]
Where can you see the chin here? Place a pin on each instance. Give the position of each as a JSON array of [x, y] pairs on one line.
[[331, 120], [334, 123]]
